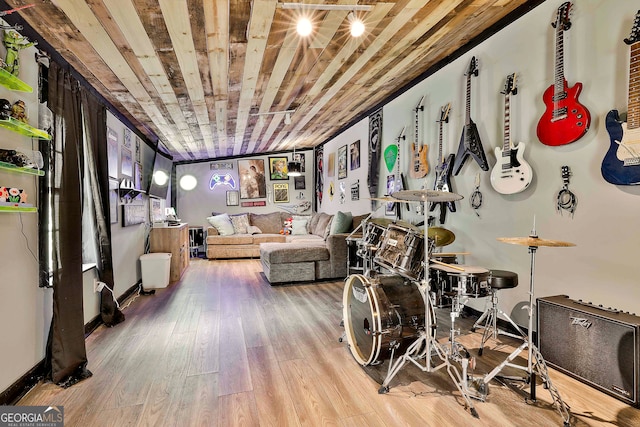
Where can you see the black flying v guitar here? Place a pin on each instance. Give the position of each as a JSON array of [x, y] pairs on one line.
[[621, 164], [443, 169], [470, 141]]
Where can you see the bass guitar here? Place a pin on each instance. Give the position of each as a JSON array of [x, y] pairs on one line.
[[420, 165], [470, 143], [511, 173], [443, 169], [565, 120], [621, 164]]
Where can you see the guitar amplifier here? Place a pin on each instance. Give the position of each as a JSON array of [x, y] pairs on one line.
[[595, 345]]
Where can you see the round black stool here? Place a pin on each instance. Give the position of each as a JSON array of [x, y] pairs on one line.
[[498, 279]]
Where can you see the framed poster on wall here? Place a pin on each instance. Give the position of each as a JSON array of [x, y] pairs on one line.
[[278, 168], [112, 152], [342, 162], [252, 181], [232, 198], [281, 193]]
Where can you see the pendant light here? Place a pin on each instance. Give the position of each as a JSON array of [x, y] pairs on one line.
[[294, 166]]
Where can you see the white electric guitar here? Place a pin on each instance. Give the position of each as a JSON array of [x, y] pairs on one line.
[[511, 174]]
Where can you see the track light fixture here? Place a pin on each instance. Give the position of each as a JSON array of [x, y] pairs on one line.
[[287, 116], [304, 25]]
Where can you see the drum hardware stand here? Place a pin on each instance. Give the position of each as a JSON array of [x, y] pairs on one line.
[[490, 325], [427, 345], [536, 365]]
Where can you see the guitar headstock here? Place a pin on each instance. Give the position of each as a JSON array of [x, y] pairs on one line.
[[444, 113], [633, 37], [562, 21], [510, 87], [473, 67]]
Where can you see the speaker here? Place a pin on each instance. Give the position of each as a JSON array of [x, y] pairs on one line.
[[595, 345]]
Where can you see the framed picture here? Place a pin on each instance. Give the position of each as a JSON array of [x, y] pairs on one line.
[[112, 152], [113, 200], [137, 176], [126, 162], [281, 193], [155, 210], [138, 148], [331, 165], [390, 208], [299, 157], [232, 198], [252, 181], [299, 182], [133, 214], [354, 151], [342, 162], [278, 168], [127, 138]]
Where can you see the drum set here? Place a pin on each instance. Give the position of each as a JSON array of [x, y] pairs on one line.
[[389, 309]]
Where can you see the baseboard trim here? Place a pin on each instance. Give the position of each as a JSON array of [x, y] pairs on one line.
[[21, 387]]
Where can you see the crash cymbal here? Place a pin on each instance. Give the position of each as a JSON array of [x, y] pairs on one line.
[[534, 241], [385, 222], [389, 199], [441, 236], [426, 196]]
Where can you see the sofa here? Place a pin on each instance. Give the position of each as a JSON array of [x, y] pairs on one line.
[[315, 249]]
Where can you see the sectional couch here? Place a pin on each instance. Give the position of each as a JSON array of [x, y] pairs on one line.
[[315, 250]]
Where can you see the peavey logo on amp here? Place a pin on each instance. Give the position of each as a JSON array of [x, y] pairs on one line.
[[579, 321]]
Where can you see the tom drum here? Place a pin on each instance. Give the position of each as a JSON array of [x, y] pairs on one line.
[[402, 251]]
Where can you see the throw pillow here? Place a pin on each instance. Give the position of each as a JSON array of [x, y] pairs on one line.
[[222, 223], [252, 229], [270, 223], [240, 223], [299, 226], [341, 222]]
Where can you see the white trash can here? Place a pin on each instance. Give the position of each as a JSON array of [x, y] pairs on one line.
[[156, 270]]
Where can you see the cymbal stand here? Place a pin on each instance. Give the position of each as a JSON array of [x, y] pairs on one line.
[[490, 326], [535, 363], [426, 345]]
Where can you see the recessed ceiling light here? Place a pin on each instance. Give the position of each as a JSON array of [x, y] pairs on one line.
[[304, 26], [357, 26], [160, 177], [188, 182]]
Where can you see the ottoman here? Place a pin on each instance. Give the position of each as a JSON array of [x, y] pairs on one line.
[[291, 262]]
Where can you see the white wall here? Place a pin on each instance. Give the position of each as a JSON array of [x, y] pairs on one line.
[[603, 266], [196, 205]]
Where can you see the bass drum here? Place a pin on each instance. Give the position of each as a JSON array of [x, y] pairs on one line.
[[380, 313]]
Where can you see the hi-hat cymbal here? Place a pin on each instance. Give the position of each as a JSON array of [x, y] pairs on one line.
[[533, 241], [426, 196], [441, 236]]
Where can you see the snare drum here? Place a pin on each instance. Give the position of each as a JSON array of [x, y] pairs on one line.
[[371, 238], [472, 282], [379, 314], [402, 251]]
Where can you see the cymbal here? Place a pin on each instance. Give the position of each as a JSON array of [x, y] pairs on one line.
[[442, 236], [385, 222], [389, 199], [427, 196], [533, 241]]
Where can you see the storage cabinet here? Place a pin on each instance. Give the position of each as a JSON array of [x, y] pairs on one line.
[[173, 240]]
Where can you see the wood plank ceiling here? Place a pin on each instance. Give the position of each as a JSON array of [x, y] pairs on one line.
[[194, 73]]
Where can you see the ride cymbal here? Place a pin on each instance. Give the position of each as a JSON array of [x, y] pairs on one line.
[[533, 241], [426, 196], [441, 236]]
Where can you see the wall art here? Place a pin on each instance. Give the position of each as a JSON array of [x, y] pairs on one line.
[[252, 180]]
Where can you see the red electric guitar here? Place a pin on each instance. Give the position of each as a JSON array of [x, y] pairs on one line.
[[565, 120]]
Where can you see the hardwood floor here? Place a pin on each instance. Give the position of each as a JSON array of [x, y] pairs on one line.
[[224, 348]]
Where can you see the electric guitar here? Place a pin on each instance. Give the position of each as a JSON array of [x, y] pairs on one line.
[[418, 153], [443, 169], [621, 164], [511, 173], [565, 120], [470, 143]]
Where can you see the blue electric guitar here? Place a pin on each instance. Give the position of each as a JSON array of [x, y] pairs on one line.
[[621, 164]]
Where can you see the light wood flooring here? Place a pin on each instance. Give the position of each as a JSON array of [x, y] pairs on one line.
[[224, 348]]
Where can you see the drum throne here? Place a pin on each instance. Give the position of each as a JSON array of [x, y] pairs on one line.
[[488, 321]]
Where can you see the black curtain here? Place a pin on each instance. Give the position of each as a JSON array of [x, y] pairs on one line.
[[66, 360], [95, 156]]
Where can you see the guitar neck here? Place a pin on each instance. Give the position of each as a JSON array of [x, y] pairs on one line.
[[506, 145], [416, 134], [468, 106], [558, 85], [440, 156], [633, 113]]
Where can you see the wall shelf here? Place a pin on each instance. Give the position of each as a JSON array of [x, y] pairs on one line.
[[12, 82], [18, 209], [24, 129], [13, 168]]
